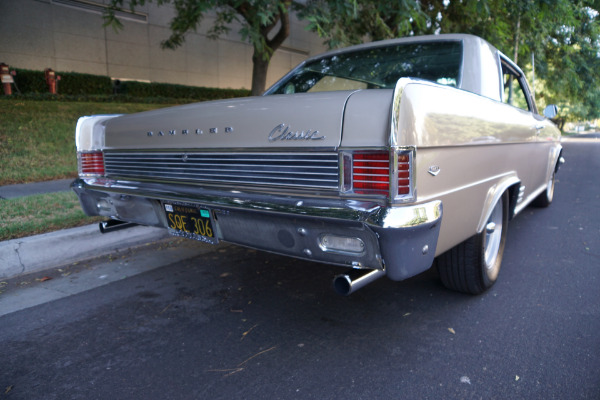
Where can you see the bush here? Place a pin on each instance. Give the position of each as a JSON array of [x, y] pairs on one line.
[[74, 86], [149, 90], [71, 83], [28, 81]]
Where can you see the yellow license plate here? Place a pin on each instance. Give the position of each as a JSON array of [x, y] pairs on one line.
[[190, 221]]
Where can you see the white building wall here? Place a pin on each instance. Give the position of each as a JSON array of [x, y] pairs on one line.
[[64, 36]]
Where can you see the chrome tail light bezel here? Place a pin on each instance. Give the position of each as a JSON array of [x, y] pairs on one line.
[[401, 163], [90, 168]]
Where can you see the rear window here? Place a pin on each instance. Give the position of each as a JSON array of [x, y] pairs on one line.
[[377, 68]]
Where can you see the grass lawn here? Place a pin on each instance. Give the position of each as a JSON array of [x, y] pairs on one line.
[[37, 138], [37, 143], [31, 215]]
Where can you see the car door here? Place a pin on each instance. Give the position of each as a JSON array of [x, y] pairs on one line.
[[532, 165]]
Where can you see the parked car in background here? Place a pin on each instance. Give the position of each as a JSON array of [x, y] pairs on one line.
[[379, 157]]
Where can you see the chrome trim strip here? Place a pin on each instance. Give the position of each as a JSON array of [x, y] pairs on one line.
[[369, 212]]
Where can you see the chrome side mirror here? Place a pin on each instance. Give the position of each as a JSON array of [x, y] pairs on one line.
[[551, 111]]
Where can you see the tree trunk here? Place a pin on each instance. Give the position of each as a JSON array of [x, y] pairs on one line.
[[517, 39], [261, 60], [259, 73]]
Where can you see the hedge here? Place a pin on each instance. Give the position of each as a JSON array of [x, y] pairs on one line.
[[76, 84], [71, 83], [142, 89]]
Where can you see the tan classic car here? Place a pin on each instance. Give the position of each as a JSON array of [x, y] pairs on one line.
[[379, 157]]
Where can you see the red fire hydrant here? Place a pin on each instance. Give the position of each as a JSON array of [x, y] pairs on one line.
[[7, 78], [52, 80]]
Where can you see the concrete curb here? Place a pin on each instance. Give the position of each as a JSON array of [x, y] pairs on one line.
[[49, 250]]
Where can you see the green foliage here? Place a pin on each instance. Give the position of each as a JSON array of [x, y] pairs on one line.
[[152, 90], [30, 215], [37, 138], [71, 83], [86, 87], [342, 23], [28, 81], [564, 35], [117, 98]]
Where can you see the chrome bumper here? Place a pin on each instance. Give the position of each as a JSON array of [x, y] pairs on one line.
[[400, 240]]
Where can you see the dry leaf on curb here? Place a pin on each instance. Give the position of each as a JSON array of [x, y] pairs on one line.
[[44, 279]]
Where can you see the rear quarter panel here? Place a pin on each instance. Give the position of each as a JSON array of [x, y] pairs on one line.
[[478, 145]]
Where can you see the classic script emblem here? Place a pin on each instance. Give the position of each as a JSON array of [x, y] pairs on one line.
[[283, 132]]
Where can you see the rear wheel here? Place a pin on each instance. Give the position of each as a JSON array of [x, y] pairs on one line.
[[473, 265]]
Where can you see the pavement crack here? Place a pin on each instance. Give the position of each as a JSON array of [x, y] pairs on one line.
[[21, 264]]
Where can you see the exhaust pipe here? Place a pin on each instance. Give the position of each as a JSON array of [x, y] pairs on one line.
[[345, 284], [114, 225]]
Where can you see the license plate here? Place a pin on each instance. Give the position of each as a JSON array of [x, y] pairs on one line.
[[190, 221]]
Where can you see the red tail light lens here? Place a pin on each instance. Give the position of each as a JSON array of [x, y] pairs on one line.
[[403, 174], [371, 172], [379, 173], [91, 163]]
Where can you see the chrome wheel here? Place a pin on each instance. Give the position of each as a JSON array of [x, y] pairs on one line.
[[545, 198], [474, 265], [550, 189], [492, 240]]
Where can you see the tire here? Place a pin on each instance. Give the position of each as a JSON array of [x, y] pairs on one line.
[[545, 198], [473, 265]]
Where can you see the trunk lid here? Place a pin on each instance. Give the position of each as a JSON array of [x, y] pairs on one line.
[[311, 120]]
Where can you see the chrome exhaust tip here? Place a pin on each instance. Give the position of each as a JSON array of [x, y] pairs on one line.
[[346, 284], [114, 225]]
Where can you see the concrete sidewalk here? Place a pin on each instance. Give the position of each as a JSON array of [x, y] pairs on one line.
[[49, 250], [29, 189]]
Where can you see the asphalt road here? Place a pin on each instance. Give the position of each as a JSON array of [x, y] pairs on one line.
[[231, 323]]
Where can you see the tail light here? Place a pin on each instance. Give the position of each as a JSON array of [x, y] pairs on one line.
[[404, 178], [90, 139], [371, 172], [379, 173], [90, 163]]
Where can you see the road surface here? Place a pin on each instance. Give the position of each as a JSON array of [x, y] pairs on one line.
[[231, 323]]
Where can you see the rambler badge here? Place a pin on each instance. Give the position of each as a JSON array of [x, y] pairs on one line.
[[173, 132], [283, 132]]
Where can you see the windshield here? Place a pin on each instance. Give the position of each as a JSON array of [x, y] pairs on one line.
[[377, 68]]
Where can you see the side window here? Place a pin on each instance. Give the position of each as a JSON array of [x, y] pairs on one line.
[[514, 94]]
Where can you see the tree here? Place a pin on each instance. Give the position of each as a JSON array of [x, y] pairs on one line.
[[265, 24], [564, 36], [343, 23]]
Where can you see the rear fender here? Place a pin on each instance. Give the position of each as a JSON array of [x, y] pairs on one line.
[[494, 195]]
